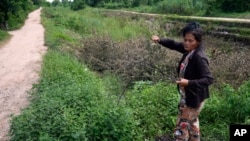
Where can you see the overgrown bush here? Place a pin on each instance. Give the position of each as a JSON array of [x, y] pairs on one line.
[[228, 5], [155, 107], [78, 5], [181, 7], [225, 107], [133, 60], [113, 5], [228, 61]]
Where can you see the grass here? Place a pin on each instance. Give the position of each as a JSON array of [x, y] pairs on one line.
[[89, 23], [70, 103], [4, 36]]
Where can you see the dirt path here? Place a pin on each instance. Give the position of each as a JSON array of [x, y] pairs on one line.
[[20, 62], [191, 17]]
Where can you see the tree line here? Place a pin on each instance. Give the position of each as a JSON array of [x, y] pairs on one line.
[[209, 5], [14, 12]]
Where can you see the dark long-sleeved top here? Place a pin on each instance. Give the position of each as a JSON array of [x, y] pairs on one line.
[[197, 72]]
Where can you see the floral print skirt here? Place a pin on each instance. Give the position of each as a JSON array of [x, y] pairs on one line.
[[187, 126]]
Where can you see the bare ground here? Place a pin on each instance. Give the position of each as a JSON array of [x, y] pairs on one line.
[[20, 62]]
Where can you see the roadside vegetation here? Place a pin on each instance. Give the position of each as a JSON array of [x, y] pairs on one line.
[[3, 36], [103, 79]]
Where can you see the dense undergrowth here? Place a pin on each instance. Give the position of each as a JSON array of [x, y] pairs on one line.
[[102, 79]]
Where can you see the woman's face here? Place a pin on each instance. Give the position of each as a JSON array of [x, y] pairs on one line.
[[190, 43]]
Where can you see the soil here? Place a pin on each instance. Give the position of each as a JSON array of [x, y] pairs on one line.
[[20, 62]]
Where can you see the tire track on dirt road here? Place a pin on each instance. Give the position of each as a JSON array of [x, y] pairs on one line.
[[20, 62]]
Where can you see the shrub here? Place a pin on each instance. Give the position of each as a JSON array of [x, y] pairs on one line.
[[225, 107], [155, 107], [182, 7], [134, 59]]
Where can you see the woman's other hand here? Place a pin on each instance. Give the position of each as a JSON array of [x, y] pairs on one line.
[[182, 82], [155, 38]]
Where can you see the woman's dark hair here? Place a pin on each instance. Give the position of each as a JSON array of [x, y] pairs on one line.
[[193, 28]]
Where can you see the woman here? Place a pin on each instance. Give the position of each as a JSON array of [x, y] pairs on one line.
[[193, 82]]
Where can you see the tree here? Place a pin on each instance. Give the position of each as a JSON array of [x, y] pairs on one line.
[[227, 5], [65, 3], [78, 4], [235, 6], [194, 3], [92, 3], [16, 9], [6, 6], [38, 2], [56, 2]]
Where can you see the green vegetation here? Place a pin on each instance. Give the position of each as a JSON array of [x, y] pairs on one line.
[[89, 23], [180, 7], [13, 14], [70, 103], [3, 35], [102, 79]]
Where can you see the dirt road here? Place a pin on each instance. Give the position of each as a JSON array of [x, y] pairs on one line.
[[223, 19], [20, 62]]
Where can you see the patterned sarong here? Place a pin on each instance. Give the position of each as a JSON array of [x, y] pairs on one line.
[[187, 125]]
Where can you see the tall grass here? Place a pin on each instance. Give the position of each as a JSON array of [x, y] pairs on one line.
[[3, 35], [91, 22], [180, 7]]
